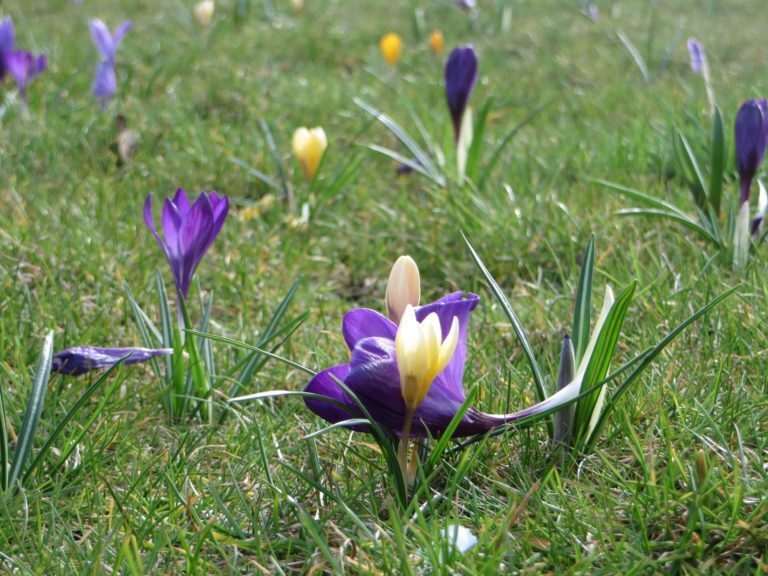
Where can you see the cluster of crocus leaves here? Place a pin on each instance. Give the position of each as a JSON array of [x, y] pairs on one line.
[[734, 232], [23, 66], [404, 378]]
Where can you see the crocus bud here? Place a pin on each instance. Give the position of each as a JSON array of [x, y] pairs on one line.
[[204, 12], [565, 375], [436, 42], [403, 287], [308, 147], [391, 46], [697, 55], [750, 132], [422, 353], [460, 79]]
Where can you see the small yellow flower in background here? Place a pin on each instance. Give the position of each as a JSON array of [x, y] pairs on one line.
[[204, 12], [422, 354], [436, 42], [297, 5], [391, 46], [308, 147], [403, 287]]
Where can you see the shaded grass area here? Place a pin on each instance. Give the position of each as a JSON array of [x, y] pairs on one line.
[[676, 485]]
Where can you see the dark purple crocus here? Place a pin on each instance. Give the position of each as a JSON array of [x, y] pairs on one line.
[[696, 52], [189, 231], [7, 42], [105, 80], [82, 359], [460, 79], [750, 133], [373, 375]]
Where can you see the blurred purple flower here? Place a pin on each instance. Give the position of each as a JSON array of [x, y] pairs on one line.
[[750, 134], [696, 50], [24, 67], [467, 4], [82, 359], [460, 79], [373, 375], [105, 80], [189, 231], [7, 42]]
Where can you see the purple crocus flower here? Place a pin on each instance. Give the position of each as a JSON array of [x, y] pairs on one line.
[[460, 79], [467, 4], [81, 359], [750, 133], [105, 80], [7, 42], [696, 50], [373, 375], [189, 231], [24, 67]]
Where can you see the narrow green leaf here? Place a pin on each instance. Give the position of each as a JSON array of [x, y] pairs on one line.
[[698, 183], [476, 148], [684, 220], [4, 448], [581, 311], [635, 55], [34, 410], [200, 381], [538, 378], [717, 162], [286, 193], [260, 176]]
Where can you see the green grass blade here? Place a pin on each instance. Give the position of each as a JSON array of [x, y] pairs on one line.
[[476, 148], [633, 194], [33, 411], [538, 378], [79, 403], [397, 157], [496, 156], [635, 55], [684, 220], [260, 176], [581, 311], [698, 183], [4, 448], [717, 162], [285, 193], [650, 357]]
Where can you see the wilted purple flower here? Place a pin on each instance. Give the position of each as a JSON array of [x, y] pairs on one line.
[[24, 67], [460, 79], [82, 359], [189, 231], [105, 80], [373, 375], [7, 42], [750, 133], [696, 50]]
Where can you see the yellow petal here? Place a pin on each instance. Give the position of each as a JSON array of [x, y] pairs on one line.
[[391, 46]]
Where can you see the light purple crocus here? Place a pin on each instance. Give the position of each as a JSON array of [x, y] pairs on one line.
[[372, 374], [696, 51], [189, 231], [467, 4], [750, 134], [7, 42], [105, 80], [24, 67], [460, 79], [82, 359]]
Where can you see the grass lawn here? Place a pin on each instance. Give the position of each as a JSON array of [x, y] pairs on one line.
[[677, 482]]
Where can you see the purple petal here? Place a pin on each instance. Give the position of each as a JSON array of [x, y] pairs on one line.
[[104, 81], [324, 384], [181, 201], [120, 32], [460, 79], [365, 323], [102, 39], [150, 223], [7, 35], [750, 131], [24, 66], [82, 359], [193, 238]]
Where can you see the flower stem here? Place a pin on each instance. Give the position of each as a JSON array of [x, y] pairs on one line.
[[402, 448]]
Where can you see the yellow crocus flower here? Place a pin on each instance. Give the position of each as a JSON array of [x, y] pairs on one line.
[[436, 42], [391, 46], [308, 147], [403, 287]]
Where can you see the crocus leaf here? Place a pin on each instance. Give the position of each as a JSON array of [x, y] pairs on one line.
[[476, 147], [32, 414], [286, 192], [581, 311], [4, 452], [684, 220], [635, 55], [260, 176], [697, 181], [717, 161], [538, 378]]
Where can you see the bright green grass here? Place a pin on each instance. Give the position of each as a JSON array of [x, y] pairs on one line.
[[250, 496]]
